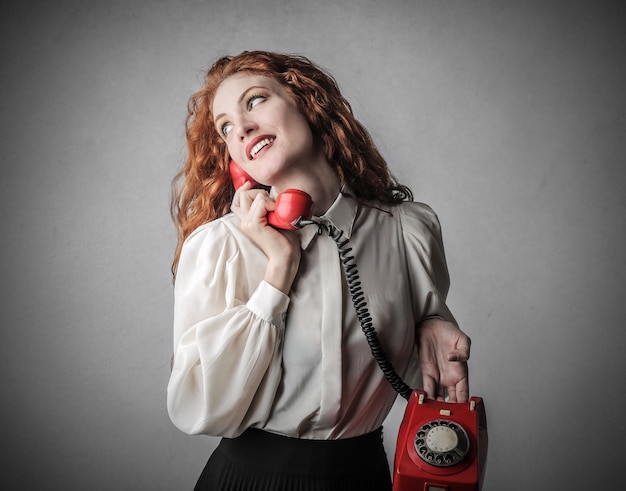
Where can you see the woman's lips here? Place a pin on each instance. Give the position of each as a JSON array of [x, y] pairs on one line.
[[258, 144]]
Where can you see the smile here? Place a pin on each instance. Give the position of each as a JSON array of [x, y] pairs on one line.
[[260, 146]]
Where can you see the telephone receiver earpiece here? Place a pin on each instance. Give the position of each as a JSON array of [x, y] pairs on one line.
[[291, 206]]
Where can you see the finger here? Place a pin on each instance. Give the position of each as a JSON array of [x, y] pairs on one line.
[[260, 206], [452, 393], [246, 186], [247, 200], [460, 353], [429, 386], [440, 393], [236, 202], [462, 390]]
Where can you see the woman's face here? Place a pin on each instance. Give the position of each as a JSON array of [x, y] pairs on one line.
[[264, 131]]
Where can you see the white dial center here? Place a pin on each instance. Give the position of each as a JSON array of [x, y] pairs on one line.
[[442, 439]]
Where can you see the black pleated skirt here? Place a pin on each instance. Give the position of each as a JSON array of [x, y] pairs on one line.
[[261, 461]]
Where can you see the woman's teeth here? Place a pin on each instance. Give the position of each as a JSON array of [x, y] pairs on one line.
[[262, 144]]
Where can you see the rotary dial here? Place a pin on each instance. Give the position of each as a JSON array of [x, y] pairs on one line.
[[441, 443]]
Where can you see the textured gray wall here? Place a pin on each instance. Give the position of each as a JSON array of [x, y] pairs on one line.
[[506, 117]]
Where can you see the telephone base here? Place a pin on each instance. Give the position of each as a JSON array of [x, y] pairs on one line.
[[441, 446]]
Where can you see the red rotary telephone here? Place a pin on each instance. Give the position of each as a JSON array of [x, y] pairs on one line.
[[442, 446], [291, 205]]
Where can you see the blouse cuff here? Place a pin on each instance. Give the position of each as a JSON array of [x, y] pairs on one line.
[[269, 303]]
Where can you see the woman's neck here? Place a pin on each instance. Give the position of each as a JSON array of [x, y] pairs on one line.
[[319, 180], [325, 194]]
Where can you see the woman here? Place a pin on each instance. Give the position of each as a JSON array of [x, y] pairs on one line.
[[268, 349]]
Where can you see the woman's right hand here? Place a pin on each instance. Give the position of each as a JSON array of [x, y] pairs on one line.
[[281, 247]]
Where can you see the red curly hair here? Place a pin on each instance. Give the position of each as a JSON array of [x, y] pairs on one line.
[[202, 190]]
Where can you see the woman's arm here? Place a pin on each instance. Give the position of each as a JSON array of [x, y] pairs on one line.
[[228, 328], [443, 348]]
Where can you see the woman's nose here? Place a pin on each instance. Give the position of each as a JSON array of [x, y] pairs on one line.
[[244, 127]]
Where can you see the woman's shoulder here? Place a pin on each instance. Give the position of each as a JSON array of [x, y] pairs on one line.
[[217, 229], [411, 216], [219, 235], [416, 214]]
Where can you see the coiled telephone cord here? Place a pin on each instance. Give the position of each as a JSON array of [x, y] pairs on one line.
[[360, 305]]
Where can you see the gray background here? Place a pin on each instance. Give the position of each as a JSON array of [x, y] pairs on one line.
[[507, 117]]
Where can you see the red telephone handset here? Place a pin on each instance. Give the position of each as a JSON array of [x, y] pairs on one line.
[[291, 205]]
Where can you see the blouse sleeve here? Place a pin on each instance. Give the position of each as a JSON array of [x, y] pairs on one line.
[[426, 262], [227, 337]]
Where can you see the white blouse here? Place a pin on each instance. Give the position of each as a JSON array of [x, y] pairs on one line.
[[246, 355]]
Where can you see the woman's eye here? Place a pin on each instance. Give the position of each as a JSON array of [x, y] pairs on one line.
[[225, 129], [254, 100]]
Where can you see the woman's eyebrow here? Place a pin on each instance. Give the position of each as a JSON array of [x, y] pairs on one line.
[[241, 98]]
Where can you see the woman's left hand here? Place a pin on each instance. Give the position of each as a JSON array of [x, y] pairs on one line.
[[444, 350]]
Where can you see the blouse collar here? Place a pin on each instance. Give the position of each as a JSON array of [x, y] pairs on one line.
[[341, 215]]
